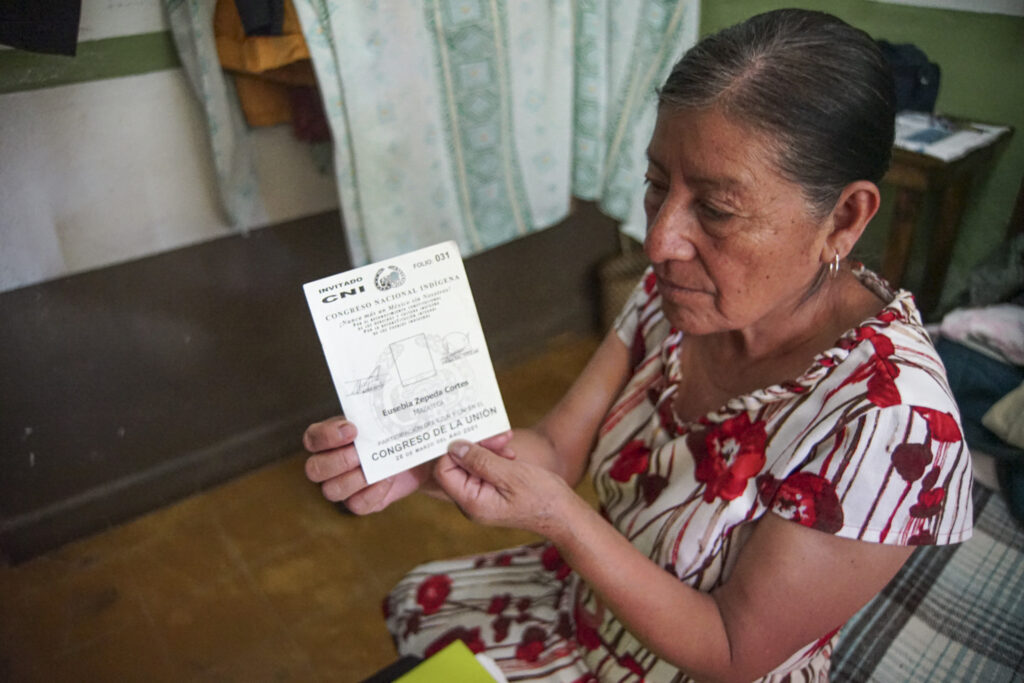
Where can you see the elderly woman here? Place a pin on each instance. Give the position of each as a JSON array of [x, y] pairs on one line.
[[768, 426]]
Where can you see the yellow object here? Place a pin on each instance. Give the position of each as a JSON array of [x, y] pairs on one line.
[[263, 66], [1006, 417], [264, 103], [454, 663], [256, 54]]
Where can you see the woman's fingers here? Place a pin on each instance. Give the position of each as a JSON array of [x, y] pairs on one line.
[[334, 464], [342, 486], [379, 495], [481, 483], [499, 444], [332, 453], [329, 434], [494, 490], [323, 466], [477, 461]]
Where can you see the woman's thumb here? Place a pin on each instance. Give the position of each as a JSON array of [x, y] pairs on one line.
[[475, 459]]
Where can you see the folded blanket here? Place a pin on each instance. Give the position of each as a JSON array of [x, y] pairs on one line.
[[997, 331], [1006, 417], [952, 613]]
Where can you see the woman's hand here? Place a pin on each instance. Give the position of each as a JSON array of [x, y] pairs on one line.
[[498, 491], [334, 464]]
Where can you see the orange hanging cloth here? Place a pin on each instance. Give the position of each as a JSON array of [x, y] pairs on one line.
[[273, 75]]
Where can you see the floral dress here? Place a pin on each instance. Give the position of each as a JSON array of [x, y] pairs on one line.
[[866, 444]]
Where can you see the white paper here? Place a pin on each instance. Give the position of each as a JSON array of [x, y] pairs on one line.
[[101, 19], [938, 138], [1011, 7], [408, 358]]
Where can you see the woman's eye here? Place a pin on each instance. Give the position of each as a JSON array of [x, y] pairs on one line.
[[714, 214], [654, 185], [655, 192]]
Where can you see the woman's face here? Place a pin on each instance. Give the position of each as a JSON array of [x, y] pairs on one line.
[[734, 244]]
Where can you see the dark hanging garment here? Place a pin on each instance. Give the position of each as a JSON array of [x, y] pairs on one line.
[[915, 76], [261, 17], [50, 27]]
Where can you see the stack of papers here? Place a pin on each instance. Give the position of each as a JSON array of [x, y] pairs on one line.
[[940, 138]]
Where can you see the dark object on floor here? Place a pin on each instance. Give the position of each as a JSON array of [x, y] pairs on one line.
[[392, 672]]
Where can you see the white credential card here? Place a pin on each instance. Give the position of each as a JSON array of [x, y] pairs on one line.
[[408, 357]]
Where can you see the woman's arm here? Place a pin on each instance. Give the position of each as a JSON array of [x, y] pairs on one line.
[[561, 442], [791, 585]]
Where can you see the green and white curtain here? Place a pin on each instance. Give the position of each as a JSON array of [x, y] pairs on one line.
[[478, 120], [623, 53], [191, 24]]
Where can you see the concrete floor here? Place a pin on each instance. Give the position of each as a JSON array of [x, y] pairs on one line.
[[259, 579]]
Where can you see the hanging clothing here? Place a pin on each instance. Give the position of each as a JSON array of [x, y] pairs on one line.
[[49, 27], [261, 17], [273, 74], [192, 28]]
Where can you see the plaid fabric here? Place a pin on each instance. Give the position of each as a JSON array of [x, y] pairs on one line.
[[952, 613]]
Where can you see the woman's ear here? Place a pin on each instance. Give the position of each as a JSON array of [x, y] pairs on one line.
[[857, 205]]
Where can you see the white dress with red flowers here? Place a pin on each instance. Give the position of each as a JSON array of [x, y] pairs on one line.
[[866, 445]]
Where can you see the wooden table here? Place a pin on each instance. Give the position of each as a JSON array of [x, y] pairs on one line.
[[914, 176]]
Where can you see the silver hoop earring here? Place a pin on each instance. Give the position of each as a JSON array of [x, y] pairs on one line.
[[833, 267]]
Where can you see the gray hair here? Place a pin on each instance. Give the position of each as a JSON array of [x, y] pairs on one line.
[[819, 88]]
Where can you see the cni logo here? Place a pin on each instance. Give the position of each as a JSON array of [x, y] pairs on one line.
[[389, 277]]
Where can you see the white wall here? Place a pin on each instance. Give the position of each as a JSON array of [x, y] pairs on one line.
[[112, 18], [96, 173]]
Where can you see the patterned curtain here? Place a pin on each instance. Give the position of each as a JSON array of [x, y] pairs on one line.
[[475, 120], [623, 53], [192, 28]]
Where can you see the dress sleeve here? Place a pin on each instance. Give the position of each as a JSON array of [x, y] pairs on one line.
[[630, 318], [899, 475]]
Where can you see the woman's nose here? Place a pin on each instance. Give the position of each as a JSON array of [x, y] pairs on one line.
[[669, 234]]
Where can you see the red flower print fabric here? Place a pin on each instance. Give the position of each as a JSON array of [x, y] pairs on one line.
[[586, 630], [628, 661], [805, 498], [911, 460], [532, 644], [499, 603], [432, 593], [727, 456], [470, 636], [553, 562], [879, 370], [865, 445], [941, 426], [929, 503], [631, 461]]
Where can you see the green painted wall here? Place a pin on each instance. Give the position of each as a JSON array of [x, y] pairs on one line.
[[94, 60], [982, 62]]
